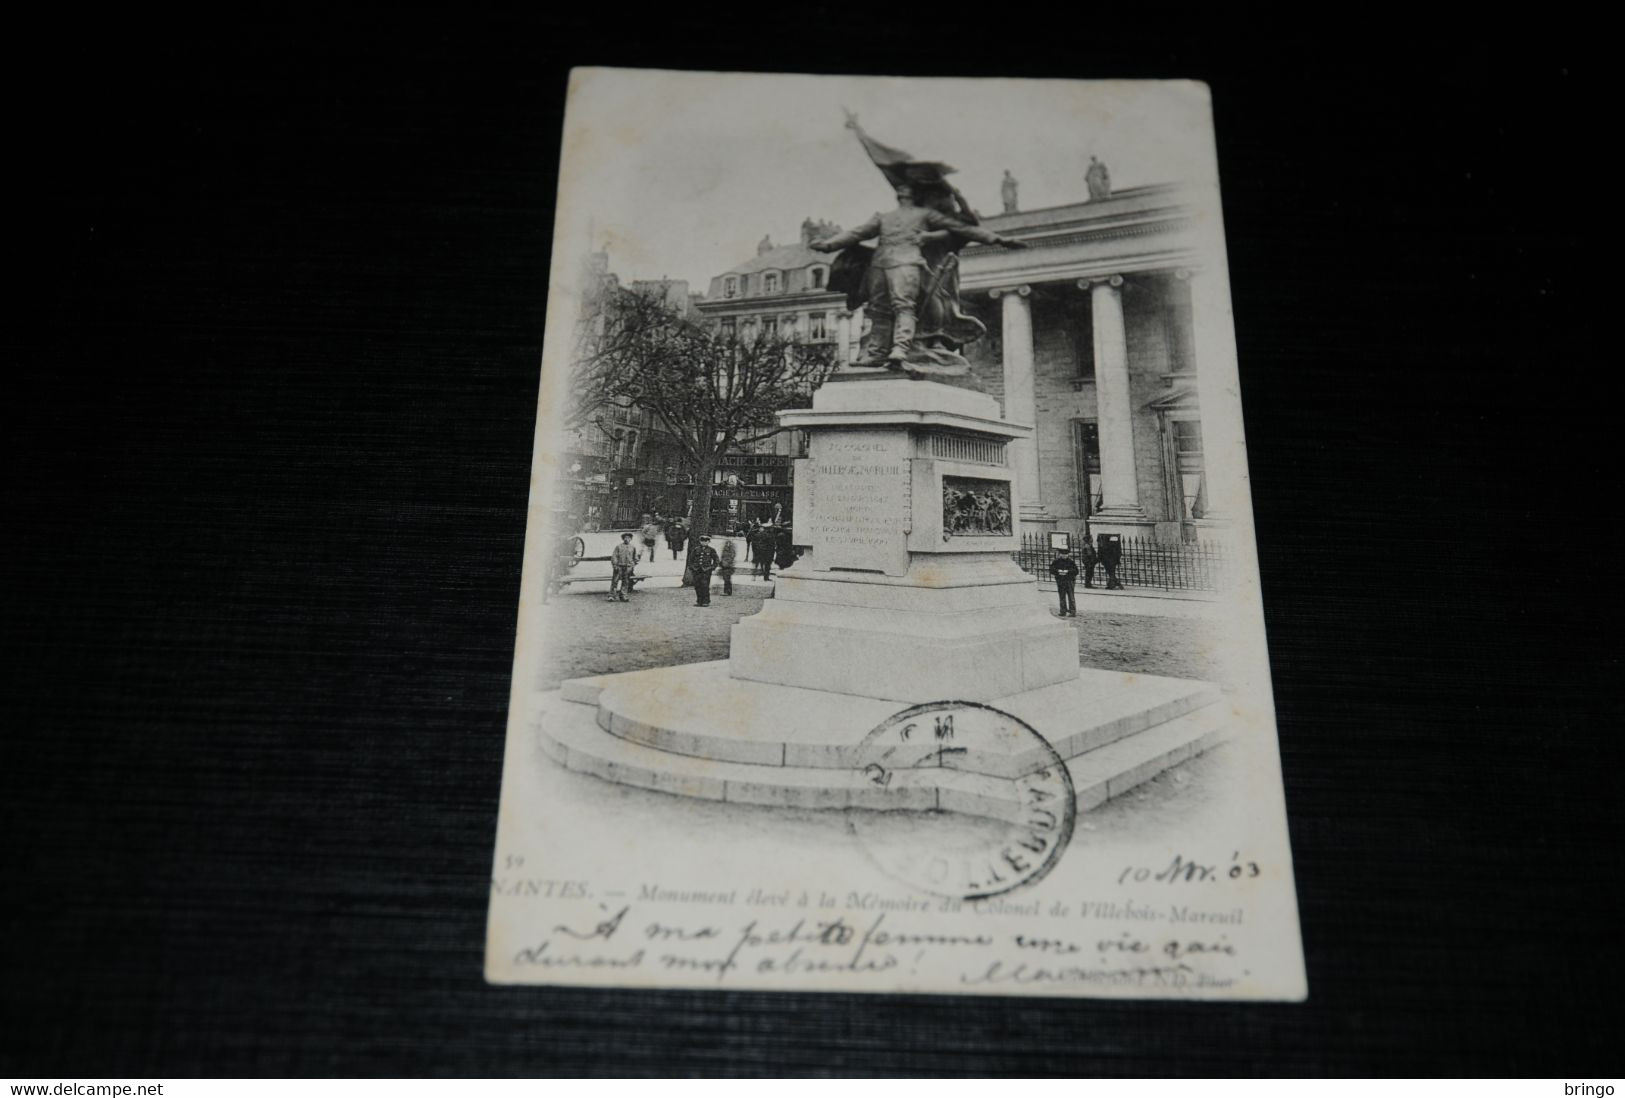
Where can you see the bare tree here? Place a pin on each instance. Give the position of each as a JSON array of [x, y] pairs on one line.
[[711, 390]]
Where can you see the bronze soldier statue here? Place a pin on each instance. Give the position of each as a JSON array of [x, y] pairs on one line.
[[910, 281]]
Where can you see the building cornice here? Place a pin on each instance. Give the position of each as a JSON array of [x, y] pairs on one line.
[[1029, 268], [744, 306]]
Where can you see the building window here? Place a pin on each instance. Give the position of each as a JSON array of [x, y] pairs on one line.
[[1086, 464], [818, 278], [770, 327], [728, 329], [730, 287], [770, 282], [1177, 331], [817, 327], [1187, 434]]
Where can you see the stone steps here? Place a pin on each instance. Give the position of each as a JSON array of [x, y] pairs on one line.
[[1123, 743], [700, 711]]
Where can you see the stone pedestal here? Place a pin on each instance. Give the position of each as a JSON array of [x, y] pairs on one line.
[[909, 592]]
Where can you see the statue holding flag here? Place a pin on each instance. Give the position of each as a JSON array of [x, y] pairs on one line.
[[910, 279]]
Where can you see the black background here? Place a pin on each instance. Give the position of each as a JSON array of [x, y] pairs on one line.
[[271, 393]]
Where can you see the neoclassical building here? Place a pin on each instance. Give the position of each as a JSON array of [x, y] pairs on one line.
[[1091, 340]]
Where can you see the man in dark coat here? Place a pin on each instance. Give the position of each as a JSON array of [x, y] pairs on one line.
[[702, 561], [762, 545], [1110, 548], [784, 553], [1087, 559], [1065, 571]]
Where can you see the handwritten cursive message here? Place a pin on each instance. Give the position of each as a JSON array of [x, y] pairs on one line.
[[762, 950]]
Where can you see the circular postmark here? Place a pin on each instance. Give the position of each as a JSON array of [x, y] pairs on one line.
[[962, 800]]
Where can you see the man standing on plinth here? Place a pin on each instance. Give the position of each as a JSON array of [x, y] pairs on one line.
[[913, 272]]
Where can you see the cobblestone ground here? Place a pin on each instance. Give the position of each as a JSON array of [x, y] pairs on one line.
[[660, 627]]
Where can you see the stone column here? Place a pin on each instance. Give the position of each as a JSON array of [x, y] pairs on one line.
[[1119, 481], [1219, 404], [843, 336], [1020, 401]]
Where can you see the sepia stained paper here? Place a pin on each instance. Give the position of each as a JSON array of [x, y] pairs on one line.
[[966, 692]]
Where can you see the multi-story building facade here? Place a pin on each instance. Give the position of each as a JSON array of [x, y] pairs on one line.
[[783, 290], [620, 464]]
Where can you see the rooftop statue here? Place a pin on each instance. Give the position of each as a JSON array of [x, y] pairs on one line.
[[1007, 191], [1098, 180], [910, 279]]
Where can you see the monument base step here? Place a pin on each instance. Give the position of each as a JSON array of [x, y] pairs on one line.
[[693, 731]]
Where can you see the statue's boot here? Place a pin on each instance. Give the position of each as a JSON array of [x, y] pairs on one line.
[[901, 336], [876, 345]]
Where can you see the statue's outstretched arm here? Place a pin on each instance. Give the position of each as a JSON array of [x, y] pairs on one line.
[[971, 232], [867, 231]]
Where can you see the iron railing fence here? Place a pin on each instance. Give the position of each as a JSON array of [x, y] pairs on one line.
[[1146, 563]]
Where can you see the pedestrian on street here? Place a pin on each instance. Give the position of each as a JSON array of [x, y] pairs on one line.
[[647, 533], [1087, 558], [702, 561], [762, 546], [785, 552], [623, 560], [1065, 571], [725, 564], [676, 535], [1110, 548]]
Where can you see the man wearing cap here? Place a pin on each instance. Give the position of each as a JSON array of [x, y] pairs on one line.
[[702, 561], [1065, 571], [622, 559]]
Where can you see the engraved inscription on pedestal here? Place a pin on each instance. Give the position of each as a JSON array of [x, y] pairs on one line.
[[975, 507], [859, 514]]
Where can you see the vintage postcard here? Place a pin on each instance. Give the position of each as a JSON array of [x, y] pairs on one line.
[[890, 617]]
